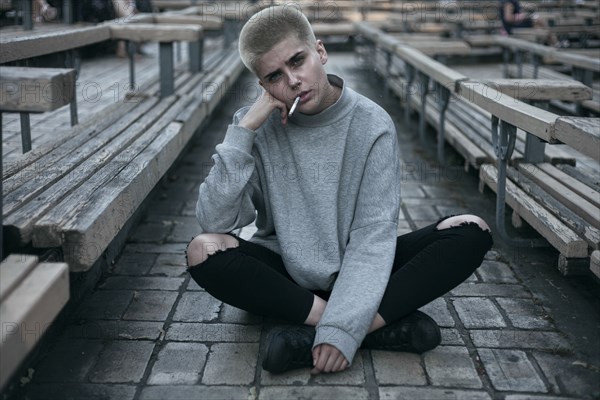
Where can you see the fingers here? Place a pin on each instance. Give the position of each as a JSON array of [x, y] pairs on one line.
[[328, 359]]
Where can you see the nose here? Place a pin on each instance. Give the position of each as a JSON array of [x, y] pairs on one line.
[[293, 80]]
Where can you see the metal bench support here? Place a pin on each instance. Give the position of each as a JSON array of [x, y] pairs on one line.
[[410, 78], [167, 80], [25, 131], [424, 80], [131, 54], [504, 145], [443, 98], [196, 51], [27, 14]]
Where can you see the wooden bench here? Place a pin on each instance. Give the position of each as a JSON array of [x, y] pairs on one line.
[[36, 90], [96, 179], [166, 35], [483, 118], [31, 296]]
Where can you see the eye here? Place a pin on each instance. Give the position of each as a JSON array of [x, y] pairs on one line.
[[297, 61], [274, 77]]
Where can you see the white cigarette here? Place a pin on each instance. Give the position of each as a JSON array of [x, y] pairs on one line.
[[294, 106]]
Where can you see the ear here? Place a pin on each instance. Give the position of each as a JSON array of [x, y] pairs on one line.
[[320, 47]]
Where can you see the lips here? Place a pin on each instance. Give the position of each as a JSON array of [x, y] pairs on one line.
[[304, 96]]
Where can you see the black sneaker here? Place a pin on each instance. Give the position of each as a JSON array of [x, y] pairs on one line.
[[415, 333], [289, 348]]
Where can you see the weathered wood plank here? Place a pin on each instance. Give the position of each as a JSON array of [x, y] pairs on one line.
[[579, 187], [13, 270], [34, 45], [156, 32], [595, 263], [522, 115], [434, 69], [33, 304], [555, 231], [207, 22], [36, 89], [565, 195], [541, 89], [582, 134]]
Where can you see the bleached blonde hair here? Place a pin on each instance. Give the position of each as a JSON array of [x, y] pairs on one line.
[[270, 26]]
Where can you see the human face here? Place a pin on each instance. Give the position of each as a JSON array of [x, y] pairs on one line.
[[294, 68]]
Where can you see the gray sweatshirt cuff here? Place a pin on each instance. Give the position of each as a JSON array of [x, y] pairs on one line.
[[240, 138], [342, 340]]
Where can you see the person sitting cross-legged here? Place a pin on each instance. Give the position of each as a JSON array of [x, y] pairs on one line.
[[323, 187]]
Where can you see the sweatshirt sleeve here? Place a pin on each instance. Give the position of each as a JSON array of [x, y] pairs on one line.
[[225, 196], [370, 251]]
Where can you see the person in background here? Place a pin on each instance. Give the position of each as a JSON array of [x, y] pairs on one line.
[[512, 16]]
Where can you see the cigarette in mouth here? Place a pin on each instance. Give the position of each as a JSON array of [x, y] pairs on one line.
[[294, 106]]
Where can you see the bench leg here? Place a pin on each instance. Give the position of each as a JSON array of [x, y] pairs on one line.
[[410, 78], [131, 55], [388, 68], [443, 98], [25, 132], [537, 61], [73, 106], [424, 79], [1, 191], [519, 61], [504, 145], [167, 80], [505, 60], [196, 50], [68, 12], [27, 15]]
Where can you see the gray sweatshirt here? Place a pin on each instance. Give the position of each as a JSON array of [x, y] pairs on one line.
[[325, 193]]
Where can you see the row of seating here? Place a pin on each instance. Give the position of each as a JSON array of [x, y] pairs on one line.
[[479, 118], [78, 192]]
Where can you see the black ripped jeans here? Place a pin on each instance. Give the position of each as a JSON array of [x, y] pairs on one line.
[[428, 263]]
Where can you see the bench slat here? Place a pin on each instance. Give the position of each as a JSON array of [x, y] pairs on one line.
[[33, 304], [583, 134], [13, 270], [541, 89], [434, 69], [579, 187], [35, 45], [156, 32], [565, 195], [522, 115], [555, 231]]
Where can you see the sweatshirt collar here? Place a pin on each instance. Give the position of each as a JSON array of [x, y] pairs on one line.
[[334, 112]]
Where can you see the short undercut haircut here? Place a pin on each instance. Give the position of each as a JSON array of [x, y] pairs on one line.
[[270, 26]]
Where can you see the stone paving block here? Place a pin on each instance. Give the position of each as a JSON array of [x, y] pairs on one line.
[[199, 392], [355, 375], [295, 377], [423, 223], [197, 307], [184, 229], [234, 315], [152, 232], [428, 393], [537, 397], [437, 190], [478, 312], [122, 362], [511, 370], [105, 304], [169, 265], [151, 305], [438, 310], [178, 364], [427, 213], [168, 206], [231, 364], [312, 392], [451, 366], [80, 391], [142, 283], [411, 190], [496, 272], [133, 264], [570, 376], [151, 248], [193, 286], [398, 368], [199, 332], [525, 314], [519, 339], [451, 337], [451, 210], [490, 290], [68, 361], [189, 209], [403, 231], [133, 330], [492, 255]]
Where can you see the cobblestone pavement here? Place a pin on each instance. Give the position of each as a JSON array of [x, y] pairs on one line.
[[515, 330]]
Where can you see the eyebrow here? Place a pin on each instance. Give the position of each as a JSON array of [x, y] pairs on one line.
[[287, 62]]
